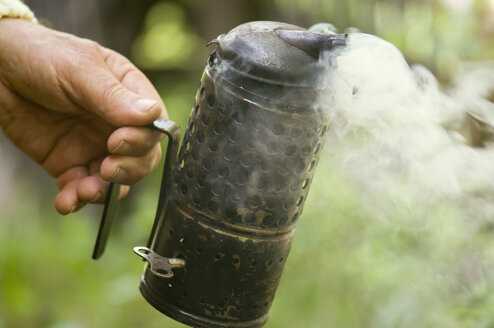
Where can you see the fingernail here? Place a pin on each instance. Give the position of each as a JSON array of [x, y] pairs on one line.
[[73, 209], [118, 146], [146, 105], [120, 173], [97, 197]]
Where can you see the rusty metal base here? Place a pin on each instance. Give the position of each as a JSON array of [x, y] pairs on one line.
[[191, 319]]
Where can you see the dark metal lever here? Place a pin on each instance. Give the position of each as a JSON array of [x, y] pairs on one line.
[[172, 130]]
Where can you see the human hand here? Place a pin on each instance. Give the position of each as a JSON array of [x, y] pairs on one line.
[[78, 109]]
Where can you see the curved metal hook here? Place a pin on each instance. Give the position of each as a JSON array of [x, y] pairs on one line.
[[172, 130]]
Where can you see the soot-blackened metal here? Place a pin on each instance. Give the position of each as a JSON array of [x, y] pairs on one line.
[[242, 177], [228, 209]]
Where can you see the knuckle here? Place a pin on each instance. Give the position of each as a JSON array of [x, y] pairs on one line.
[[109, 98], [89, 47], [150, 142], [122, 66], [111, 91]]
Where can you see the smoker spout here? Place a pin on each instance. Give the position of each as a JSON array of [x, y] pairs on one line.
[[310, 42]]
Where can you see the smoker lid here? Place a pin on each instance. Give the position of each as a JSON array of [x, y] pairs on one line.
[[275, 53]]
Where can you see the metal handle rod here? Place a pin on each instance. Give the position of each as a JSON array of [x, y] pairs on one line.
[[172, 130], [106, 220]]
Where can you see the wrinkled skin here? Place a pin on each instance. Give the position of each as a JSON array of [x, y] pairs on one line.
[[77, 109]]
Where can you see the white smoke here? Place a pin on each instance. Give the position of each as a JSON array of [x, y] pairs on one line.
[[408, 201], [399, 135]]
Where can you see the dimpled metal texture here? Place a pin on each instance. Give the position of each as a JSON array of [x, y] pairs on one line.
[[247, 167], [243, 173]]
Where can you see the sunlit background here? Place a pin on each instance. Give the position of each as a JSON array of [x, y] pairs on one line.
[[346, 268]]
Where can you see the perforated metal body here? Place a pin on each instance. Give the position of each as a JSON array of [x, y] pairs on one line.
[[242, 176]]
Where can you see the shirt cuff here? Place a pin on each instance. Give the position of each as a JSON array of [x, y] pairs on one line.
[[16, 9]]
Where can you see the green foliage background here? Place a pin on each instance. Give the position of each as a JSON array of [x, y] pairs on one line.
[[347, 268]]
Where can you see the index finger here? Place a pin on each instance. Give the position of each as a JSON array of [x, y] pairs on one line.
[[131, 77]]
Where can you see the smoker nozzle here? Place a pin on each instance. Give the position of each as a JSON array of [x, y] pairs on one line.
[[312, 43]]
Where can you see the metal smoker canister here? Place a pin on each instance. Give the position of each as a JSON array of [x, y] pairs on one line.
[[230, 203]]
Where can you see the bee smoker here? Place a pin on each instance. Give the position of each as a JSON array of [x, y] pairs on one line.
[[230, 200]]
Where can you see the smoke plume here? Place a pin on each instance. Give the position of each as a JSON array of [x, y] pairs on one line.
[[421, 157]]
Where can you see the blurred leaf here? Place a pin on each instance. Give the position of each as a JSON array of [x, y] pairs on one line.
[[166, 41]]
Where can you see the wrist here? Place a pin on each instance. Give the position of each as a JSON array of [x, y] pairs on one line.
[[16, 9]]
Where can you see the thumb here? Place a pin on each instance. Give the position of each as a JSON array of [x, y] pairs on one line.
[[101, 92]]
